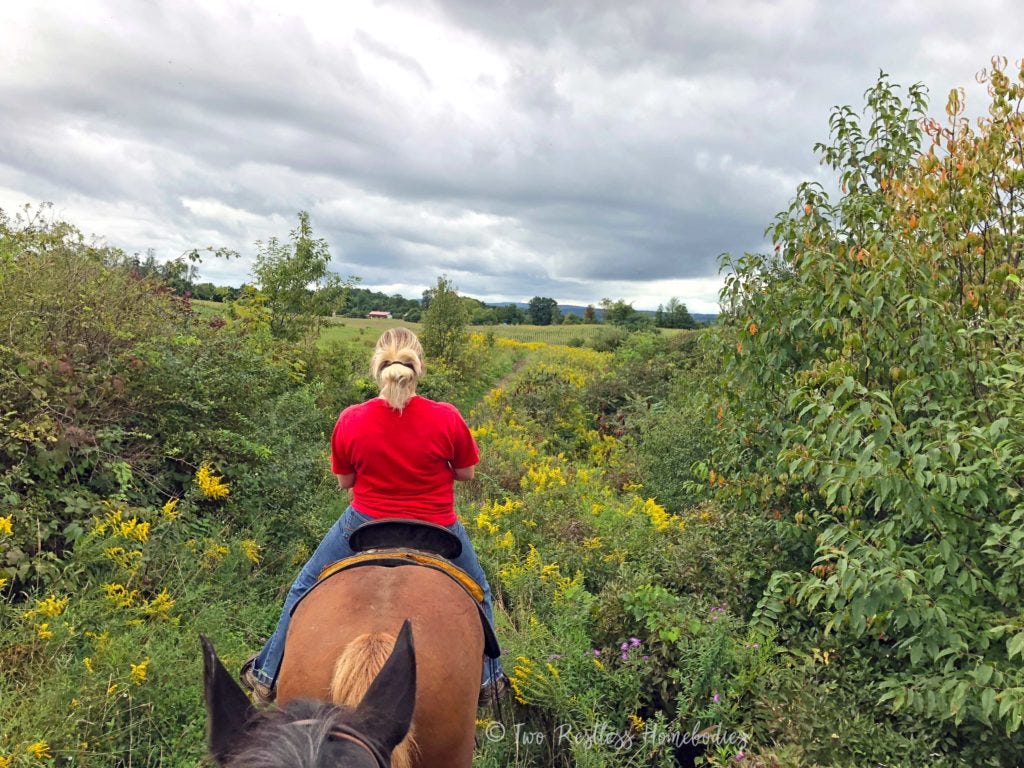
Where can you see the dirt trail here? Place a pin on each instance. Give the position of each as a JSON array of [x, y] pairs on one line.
[[504, 380]]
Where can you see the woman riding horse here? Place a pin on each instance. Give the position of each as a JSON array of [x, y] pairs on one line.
[[400, 454]]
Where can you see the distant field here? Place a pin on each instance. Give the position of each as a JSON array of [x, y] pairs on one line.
[[356, 329], [362, 330], [342, 329]]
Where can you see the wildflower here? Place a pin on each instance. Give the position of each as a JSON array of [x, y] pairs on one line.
[[210, 485], [51, 607], [170, 509], [7, 525], [752, 329], [112, 689], [717, 697], [634, 642], [43, 630], [159, 606], [119, 595], [87, 663], [40, 750], [251, 550], [5, 762], [133, 529], [138, 674], [636, 722], [3, 583], [598, 664]]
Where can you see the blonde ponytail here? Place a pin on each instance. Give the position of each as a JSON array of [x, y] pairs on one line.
[[397, 365]]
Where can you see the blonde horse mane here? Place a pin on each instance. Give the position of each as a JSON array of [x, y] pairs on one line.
[[355, 670]]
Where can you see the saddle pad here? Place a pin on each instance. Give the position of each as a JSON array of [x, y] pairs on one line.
[[419, 558], [393, 557]]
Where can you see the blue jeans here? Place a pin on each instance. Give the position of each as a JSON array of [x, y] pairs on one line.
[[335, 547]]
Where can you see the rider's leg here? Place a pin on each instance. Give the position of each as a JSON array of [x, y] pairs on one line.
[[334, 547], [468, 562]]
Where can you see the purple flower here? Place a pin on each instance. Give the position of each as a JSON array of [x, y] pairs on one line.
[[717, 697], [646, 658], [625, 656], [597, 651], [741, 756], [634, 642], [624, 647]]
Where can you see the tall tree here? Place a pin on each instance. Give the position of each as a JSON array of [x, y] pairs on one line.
[[543, 310], [444, 321], [622, 314], [674, 314], [294, 280]]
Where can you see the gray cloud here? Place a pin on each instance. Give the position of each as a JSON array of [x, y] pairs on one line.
[[572, 149]]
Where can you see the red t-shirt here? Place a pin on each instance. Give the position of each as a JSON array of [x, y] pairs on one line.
[[403, 462]]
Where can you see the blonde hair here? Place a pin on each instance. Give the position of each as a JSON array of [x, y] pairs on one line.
[[396, 366]]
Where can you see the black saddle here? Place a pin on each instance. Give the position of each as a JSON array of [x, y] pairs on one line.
[[401, 533]]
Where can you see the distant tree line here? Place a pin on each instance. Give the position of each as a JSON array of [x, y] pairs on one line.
[[292, 281]]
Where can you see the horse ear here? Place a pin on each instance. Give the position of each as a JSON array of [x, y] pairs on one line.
[[387, 707], [228, 709]]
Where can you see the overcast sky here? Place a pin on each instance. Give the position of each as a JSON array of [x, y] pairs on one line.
[[576, 149]]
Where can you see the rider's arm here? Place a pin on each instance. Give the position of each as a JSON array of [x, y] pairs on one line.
[[466, 473], [347, 481]]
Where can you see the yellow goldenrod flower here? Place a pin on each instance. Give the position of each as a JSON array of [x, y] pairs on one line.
[[133, 529], [170, 509], [160, 606], [599, 664], [119, 595], [51, 607], [87, 663], [40, 750], [213, 554], [3, 583], [99, 641], [7, 525], [210, 485], [112, 689], [636, 722], [5, 762], [251, 550], [138, 674], [43, 630]]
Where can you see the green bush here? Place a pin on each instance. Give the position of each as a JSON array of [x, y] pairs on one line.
[[875, 372]]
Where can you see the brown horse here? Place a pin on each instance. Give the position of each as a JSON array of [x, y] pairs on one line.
[[342, 631], [337, 651], [306, 733]]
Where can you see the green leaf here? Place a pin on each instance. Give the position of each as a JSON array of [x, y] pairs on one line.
[[1015, 645]]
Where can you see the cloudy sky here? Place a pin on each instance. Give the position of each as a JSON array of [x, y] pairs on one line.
[[576, 149]]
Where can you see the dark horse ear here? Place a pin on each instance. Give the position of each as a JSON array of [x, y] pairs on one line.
[[386, 710], [228, 709]]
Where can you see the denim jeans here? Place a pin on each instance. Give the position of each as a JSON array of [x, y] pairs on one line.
[[335, 547]]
